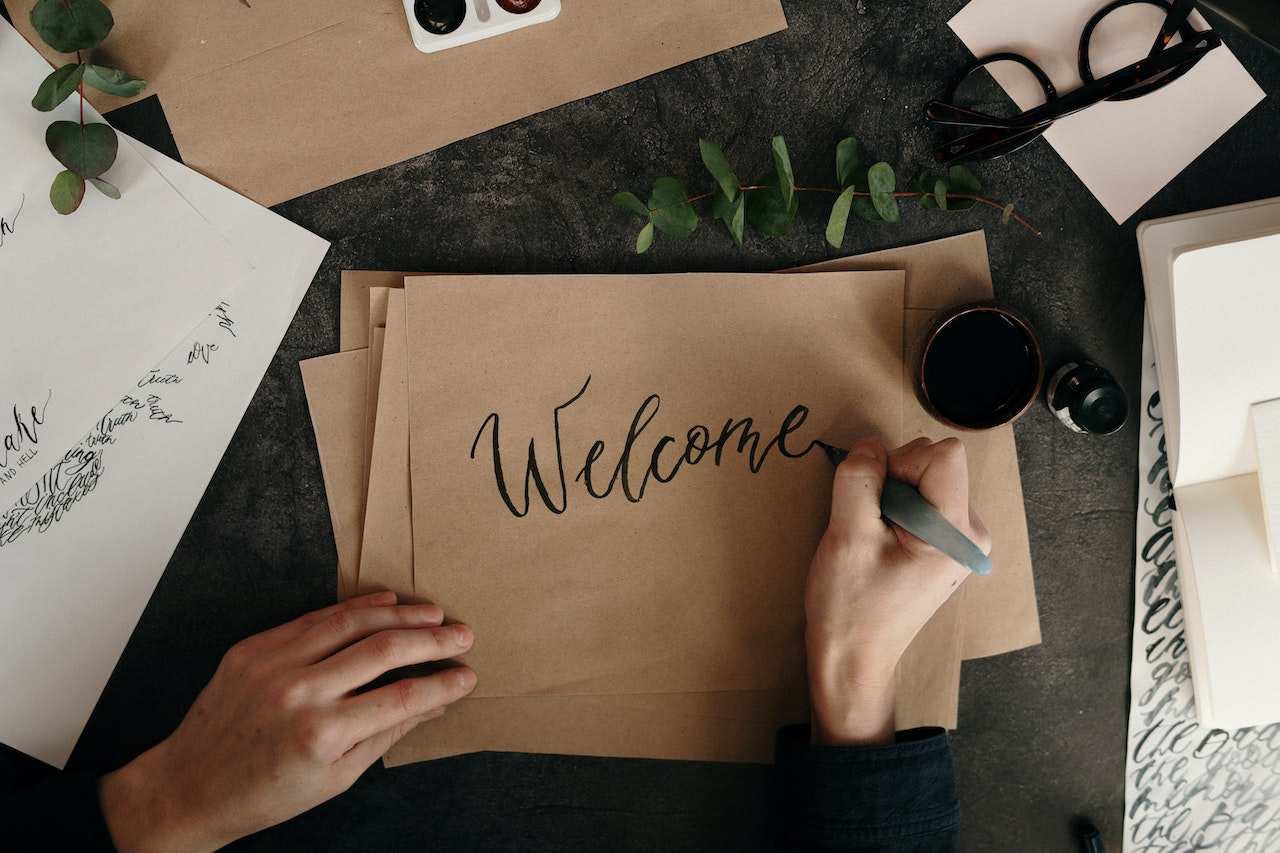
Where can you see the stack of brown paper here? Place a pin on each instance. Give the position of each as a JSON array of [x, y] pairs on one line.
[[278, 99], [632, 595]]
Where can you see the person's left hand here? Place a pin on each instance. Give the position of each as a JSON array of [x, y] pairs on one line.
[[281, 727]]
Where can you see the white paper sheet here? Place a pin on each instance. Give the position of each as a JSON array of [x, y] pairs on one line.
[[1124, 152], [90, 301], [1187, 786], [82, 552]]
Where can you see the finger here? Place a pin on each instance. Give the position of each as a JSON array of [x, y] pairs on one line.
[[978, 532], [941, 473], [363, 754], [342, 628], [392, 706], [282, 635], [376, 655], [855, 494]]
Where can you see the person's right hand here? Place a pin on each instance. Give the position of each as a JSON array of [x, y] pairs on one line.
[[281, 727], [872, 586]]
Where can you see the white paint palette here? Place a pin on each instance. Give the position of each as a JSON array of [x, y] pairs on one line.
[[440, 24]]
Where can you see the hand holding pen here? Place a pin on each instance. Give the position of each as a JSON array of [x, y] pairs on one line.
[[872, 585]]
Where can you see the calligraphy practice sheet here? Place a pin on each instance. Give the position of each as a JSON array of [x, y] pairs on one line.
[[91, 301], [1123, 151], [1187, 786], [91, 538]]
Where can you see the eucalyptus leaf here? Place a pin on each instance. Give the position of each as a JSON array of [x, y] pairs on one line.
[[645, 239], [630, 202], [737, 223], [1006, 214], [721, 207], [671, 210], [963, 182], [846, 162], [713, 158], [71, 25], [926, 183], [107, 189], [839, 218], [882, 182], [782, 167], [58, 86], [87, 150], [113, 81], [766, 211], [940, 193], [67, 192]]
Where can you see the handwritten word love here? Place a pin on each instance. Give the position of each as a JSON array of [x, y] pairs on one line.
[[7, 225], [660, 460]]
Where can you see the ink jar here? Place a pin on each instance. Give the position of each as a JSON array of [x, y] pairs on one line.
[[1087, 398]]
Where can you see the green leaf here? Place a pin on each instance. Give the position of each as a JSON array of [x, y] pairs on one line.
[[1007, 214], [882, 182], [87, 150], [926, 182], [109, 190], [721, 207], [766, 211], [940, 193], [71, 25], [671, 210], [846, 162], [67, 192], [713, 158], [839, 218], [630, 202], [113, 81], [737, 222], [645, 239], [782, 166], [58, 86], [962, 181]]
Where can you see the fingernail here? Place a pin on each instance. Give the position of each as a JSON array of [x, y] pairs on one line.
[[385, 597], [461, 635], [870, 447], [465, 678], [429, 614]]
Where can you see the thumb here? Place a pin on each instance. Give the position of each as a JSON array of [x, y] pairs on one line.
[[855, 494]]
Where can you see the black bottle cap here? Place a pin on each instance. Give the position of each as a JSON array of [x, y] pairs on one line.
[[1099, 406]]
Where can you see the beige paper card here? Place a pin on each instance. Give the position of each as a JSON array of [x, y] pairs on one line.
[[386, 557], [223, 76], [335, 396], [629, 460]]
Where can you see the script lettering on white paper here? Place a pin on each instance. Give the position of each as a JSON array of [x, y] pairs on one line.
[[79, 471], [9, 226], [1188, 787], [20, 436]]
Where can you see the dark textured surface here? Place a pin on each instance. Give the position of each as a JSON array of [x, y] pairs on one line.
[[1042, 731]]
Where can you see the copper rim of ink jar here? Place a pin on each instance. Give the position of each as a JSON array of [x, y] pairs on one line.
[[1028, 391], [518, 7]]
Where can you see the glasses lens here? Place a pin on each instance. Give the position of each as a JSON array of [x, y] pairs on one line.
[[986, 92], [1122, 34]]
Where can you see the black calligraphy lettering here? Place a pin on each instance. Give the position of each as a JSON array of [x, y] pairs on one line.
[[24, 434], [7, 226]]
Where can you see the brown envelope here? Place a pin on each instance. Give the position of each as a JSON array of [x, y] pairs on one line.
[[234, 78]]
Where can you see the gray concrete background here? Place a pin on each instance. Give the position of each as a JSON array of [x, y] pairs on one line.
[[1042, 731]]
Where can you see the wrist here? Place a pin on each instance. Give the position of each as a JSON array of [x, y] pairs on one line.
[[852, 698], [144, 811]]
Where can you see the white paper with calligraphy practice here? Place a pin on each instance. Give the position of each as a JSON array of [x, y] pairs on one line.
[[83, 549], [90, 301], [1187, 786]]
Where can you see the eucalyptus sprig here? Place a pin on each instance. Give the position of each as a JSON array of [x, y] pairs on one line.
[[86, 150], [769, 204]]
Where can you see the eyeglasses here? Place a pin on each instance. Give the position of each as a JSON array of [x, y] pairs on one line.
[[995, 136]]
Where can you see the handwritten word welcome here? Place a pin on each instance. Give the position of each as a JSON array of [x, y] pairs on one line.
[[660, 460], [7, 226]]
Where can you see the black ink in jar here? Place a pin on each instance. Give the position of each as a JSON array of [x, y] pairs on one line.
[[1087, 398]]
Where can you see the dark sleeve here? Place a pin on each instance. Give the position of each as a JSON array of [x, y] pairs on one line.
[[59, 813], [898, 797]]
